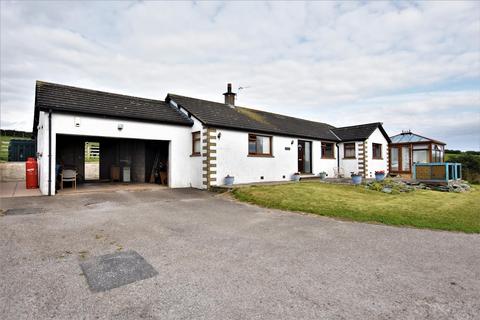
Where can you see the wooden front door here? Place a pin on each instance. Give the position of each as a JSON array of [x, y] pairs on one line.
[[301, 156]]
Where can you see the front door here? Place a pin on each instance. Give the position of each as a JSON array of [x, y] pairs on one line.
[[301, 155], [304, 156]]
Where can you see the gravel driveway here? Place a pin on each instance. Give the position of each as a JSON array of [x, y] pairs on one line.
[[209, 257]]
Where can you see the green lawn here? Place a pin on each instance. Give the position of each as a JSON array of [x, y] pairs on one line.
[[421, 209]]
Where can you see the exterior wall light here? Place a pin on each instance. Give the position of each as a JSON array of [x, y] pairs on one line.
[[120, 126], [219, 135], [292, 142]]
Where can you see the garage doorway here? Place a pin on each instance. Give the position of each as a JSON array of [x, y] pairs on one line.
[[112, 161]]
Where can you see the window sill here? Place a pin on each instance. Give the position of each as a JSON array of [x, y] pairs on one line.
[[349, 158], [327, 158], [196, 155], [377, 158], [260, 156]]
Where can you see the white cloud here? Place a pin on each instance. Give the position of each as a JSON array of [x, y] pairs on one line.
[[336, 62]]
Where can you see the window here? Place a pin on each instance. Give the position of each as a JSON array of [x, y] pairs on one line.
[[259, 145], [420, 153], [377, 151], [406, 159], [327, 150], [349, 150], [437, 153], [196, 144], [394, 159]]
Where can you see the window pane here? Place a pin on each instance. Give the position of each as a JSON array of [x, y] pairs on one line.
[[394, 159], [377, 150], [196, 146], [306, 158], [420, 156], [405, 159], [264, 145], [252, 146], [327, 150], [349, 150], [259, 144]]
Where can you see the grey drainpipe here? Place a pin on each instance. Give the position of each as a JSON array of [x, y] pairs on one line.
[[50, 152]]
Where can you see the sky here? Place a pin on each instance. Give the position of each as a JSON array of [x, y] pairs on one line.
[[411, 65]]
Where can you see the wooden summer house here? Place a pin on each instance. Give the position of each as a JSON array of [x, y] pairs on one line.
[[408, 148]]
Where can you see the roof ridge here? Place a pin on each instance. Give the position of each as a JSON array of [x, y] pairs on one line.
[[283, 115], [359, 125], [39, 83], [254, 110]]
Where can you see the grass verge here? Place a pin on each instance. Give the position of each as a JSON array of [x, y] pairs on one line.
[[421, 209]]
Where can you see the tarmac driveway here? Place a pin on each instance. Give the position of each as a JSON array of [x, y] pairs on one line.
[[203, 256]]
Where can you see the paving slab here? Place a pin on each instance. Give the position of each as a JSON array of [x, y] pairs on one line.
[[115, 270]]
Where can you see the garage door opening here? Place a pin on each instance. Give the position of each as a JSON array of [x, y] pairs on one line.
[[111, 161], [92, 161]]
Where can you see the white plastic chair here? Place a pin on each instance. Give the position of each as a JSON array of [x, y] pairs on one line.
[[338, 172], [69, 175]]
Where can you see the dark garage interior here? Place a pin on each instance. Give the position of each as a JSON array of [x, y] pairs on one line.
[[121, 160]]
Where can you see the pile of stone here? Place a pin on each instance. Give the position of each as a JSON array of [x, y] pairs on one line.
[[399, 186], [454, 186]]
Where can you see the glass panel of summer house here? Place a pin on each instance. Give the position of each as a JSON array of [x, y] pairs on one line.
[[420, 156], [405, 159], [394, 159]]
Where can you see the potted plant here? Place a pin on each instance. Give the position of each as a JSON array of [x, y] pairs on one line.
[[296, 176], [323, 175], [379, 175], [356, 178], [229, 180]]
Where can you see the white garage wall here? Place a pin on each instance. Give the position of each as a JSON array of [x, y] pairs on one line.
[[233, 159], [42, 149], [195, 161], [180, 138], [376, 164]]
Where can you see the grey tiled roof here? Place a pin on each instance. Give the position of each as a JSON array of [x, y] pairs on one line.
[[223, 116], [359, 132], [78, 100]]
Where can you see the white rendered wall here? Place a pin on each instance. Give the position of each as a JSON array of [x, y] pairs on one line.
[[349, 165], [180, 138], [233, 159], [42, 149], [195, 161], [376, 164], [323, 165]]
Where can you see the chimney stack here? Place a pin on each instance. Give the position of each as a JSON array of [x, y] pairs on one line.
[[229, 95]]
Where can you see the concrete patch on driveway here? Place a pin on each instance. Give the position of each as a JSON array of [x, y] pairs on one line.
[[115, 270]]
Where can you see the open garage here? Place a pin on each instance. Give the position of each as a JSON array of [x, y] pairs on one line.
[[114, 160], [138, 140]]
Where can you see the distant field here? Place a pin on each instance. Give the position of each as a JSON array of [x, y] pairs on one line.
[[4, 143], [448, 156]]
